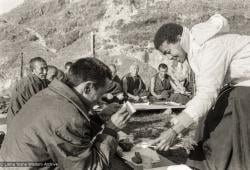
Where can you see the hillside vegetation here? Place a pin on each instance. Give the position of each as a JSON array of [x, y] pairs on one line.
[[60, 31]]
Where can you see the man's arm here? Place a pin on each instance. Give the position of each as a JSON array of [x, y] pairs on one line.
[[175, 84], [74, 148], [75, 145], [213, 64], [152, 88], [133, 96]]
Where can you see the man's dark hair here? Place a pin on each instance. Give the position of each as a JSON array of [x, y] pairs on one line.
[[167, 32], [68, 64], [88, 69], [162, 65], [34, 60], [54, 68]]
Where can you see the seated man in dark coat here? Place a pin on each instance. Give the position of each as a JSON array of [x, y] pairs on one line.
[[115, 77], [57, 126], [133, 85], [114, 91], [161, 87], [28, 86]]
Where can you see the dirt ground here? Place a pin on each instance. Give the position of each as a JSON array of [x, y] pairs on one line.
[[149, 125]]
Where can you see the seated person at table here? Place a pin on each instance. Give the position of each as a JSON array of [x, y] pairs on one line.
[[58, 127], [133, 85], [161, 87], [115, 77], [27, 87], [114, 91]]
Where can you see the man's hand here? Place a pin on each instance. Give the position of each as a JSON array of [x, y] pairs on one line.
[[120, 96], [165, 141], [136, 98], [187, 93], [120, 118], [159, 97], [109, 96]]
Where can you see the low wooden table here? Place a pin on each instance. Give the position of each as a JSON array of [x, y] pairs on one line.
[[157, 106]]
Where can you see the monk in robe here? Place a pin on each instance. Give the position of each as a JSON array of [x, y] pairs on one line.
[[133, 85], [162, 87], [28, 86]]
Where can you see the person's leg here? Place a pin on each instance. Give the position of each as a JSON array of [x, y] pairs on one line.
[[226, 138], [214, 151], [240, 129], [179, 98]]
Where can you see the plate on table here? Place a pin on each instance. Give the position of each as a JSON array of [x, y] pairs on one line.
[[149, 157]]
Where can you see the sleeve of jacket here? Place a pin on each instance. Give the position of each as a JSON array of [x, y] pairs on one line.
[[213, 62], [125, 84], [76, 148], [21, 94]]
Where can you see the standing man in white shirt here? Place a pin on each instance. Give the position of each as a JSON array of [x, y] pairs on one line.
[[215, 56]]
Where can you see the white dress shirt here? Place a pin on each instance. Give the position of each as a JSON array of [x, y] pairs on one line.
[[216, 57]]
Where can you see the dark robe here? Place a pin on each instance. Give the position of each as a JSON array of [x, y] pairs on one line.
[[113, 88], [22, 92], [225, 138], [133, 85], [165, 89], [57, 126], [162, 85]]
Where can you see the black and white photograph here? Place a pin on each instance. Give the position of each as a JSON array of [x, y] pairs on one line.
[[125, 84]]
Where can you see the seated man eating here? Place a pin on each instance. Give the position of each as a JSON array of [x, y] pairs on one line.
[[162, 87], [114, 90], [57, 126], [133, 85]]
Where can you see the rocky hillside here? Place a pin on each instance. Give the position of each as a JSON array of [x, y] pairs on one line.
[[60, 31]]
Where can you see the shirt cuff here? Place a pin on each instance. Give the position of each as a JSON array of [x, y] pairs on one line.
[[183, 121]]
